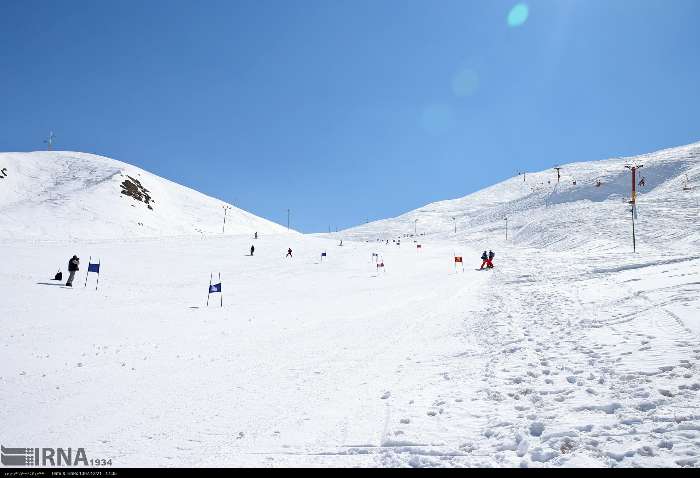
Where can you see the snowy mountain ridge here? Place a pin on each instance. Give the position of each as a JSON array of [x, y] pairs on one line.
[[60, 195], [542, 211]]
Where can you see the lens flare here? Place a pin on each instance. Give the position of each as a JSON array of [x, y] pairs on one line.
[[518, 15], [465, 82]]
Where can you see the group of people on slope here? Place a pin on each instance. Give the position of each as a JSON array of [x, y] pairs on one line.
[[289, 250], [74, 263], [487, 259]]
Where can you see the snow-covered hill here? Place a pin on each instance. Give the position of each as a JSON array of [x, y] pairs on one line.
[[572, 351], [586, 208], [54, 195]]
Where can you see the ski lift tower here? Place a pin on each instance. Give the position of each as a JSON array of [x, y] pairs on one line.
[[633, 168], [633, 200], [558, 169], [226, 208]]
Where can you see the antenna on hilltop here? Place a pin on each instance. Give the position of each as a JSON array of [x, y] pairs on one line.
[[49, 140]]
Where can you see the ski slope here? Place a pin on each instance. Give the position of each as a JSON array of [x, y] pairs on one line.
[[545, 214], [573, 351]]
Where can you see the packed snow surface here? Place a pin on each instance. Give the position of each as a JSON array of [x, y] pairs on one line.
[[572, 351]]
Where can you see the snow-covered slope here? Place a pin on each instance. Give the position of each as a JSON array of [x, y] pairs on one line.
[[564, 215], [65, 195], [572, 351]]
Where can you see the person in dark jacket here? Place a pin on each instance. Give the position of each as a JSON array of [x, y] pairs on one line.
[[491, 256], [485, 259], [252, 249], [73, 267], [289, 252]]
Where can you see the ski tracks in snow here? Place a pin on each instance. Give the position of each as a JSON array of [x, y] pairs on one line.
[[548, 365], [579, 380]]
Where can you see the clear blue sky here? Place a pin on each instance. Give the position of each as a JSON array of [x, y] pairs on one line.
[[348, 110]]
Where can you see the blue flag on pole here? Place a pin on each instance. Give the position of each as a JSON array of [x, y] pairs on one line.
[[215, 288], [94, 268]]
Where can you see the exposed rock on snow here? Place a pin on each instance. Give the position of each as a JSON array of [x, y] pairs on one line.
[[56, 195]]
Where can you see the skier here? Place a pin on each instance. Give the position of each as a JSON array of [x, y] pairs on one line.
[[252, 249], [289, 252], [256, 236], [485, 259], [73, 264], [491, 256]]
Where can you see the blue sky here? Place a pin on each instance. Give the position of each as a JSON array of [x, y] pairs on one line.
[[348, 110]]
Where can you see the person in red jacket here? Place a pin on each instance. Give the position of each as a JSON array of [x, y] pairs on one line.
[[490, 259], [485, 259]]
